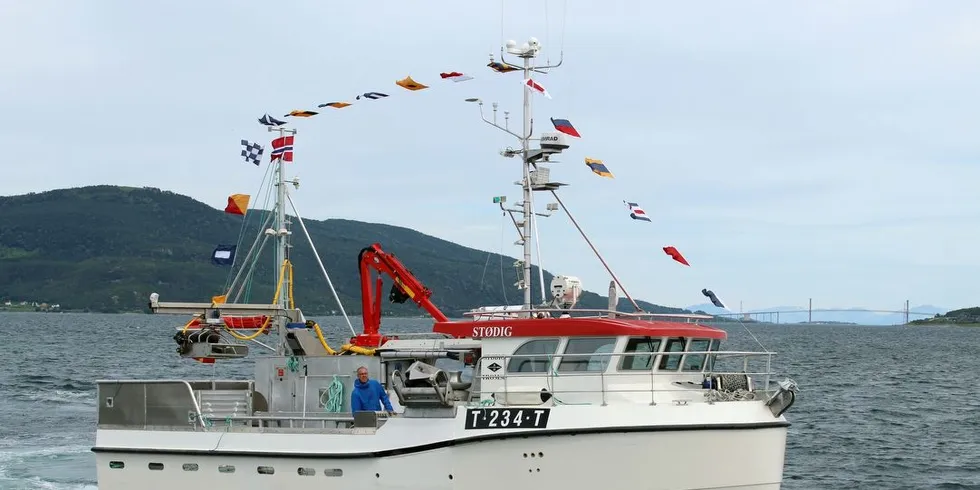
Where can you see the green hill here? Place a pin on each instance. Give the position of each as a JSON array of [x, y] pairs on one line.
[[106, 248], [962, 316]]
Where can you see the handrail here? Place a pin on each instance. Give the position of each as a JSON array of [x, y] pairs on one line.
[[585, 310], [658, 379], [655, 368], [190, 390], [657, 353], [347, 417]]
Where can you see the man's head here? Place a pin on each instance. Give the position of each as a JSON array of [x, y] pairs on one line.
[[362, 374]]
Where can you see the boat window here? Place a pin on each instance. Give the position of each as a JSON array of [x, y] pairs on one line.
[[539, 355], [695, 362], [673, 361], [588, 354], [306, 471], [333, 472], [226, 468], [117, 465], [155, 466], [266, 470], [190, 466], [710, 363], [639, 361]]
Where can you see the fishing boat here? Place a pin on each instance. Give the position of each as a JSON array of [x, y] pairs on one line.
[[543, 393]]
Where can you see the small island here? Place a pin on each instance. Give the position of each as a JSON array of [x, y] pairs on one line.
[[964, 317]]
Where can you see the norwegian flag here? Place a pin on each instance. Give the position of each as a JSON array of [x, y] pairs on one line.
[[282, 148], [636, 212], [535, 86]]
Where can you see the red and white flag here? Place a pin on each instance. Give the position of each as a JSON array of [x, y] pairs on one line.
[[456, 76], [535, 86], [282, 148]]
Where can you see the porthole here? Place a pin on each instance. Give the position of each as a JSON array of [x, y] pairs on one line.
[[190, 466], [266, 470], [226, 468], [117, 465], [306, 471], [155, 466], [333, 472]]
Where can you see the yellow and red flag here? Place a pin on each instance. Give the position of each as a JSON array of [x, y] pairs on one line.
[[237, 204]]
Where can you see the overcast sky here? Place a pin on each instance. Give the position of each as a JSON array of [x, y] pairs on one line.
[[788, 149]]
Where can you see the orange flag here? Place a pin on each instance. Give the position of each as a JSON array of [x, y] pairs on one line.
[[410, 84], [237, 204]]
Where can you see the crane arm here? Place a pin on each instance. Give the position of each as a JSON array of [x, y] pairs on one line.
[[406, 286]]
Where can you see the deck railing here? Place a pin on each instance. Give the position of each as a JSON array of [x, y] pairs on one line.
[[166, 402], [518, 312], [596, 385], [173, 403]]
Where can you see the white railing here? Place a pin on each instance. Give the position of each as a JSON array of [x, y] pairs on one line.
[[599, 384], [519, 311], [148, 392]]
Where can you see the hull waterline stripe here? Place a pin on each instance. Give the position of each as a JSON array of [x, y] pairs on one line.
[[447, 443]]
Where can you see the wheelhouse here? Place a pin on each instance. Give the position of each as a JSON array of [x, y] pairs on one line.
[[588, 360]]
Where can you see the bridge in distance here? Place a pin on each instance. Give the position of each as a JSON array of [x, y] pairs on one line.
[[775, 316]]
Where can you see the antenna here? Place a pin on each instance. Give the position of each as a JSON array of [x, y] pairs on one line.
[[533, 178]]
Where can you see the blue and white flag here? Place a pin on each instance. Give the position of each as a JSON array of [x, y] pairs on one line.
[[223, 255], [252, 152], [268, 120]]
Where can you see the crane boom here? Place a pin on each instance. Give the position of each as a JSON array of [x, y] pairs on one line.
[[406, 286]]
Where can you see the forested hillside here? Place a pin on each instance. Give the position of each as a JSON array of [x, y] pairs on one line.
[[106, 248], [962, 316]]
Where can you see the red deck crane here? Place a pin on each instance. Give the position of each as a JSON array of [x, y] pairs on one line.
[[406, 286]]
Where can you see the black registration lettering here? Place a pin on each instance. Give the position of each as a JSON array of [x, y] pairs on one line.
[[507, 418]]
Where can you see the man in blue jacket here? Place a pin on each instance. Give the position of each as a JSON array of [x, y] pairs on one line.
[[368, 394]]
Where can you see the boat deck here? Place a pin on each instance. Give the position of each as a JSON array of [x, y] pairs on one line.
[[244, 405]]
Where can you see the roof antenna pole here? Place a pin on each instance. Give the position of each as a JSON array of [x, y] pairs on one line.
[[596, 252], [528, 51]]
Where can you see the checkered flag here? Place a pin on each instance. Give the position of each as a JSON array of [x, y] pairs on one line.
[[252, 152]]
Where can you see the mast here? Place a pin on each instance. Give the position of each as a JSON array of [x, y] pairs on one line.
[[534, 178], [527, 52], [281, 233], [526, 180]]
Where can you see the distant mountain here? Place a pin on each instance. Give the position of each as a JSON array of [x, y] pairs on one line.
[[106, 248], [796, 314]]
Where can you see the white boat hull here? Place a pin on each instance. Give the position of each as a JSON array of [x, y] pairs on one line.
[[699, 458]]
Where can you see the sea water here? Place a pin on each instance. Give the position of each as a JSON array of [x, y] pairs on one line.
[[879, 407]]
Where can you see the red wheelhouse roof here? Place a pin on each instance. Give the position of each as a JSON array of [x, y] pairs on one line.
[[575, 327]]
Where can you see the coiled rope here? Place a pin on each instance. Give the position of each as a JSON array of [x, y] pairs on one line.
[[335, 396]]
